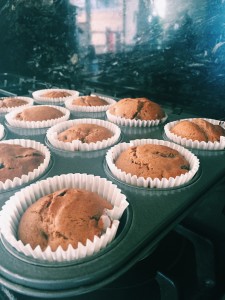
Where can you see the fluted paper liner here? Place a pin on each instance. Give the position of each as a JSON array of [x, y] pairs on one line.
[[52, 136], [17, 204], [114, 152], [220, 145], [41, 99], [134, 122], [92, 109], [29, 102], [10, 118], [2, 131], [10, 184]]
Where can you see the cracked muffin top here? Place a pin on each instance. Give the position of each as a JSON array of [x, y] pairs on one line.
[[154, 161], [89, 101], [39, 113], [65, 217], [86, 133], [11, 102], [198, 129], [16, 160], [137, 108]]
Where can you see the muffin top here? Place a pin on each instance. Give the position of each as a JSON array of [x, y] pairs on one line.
[[198, 129], [65, 217], [39, 113], [55, 94], [154, 161], [86, 133], [11, 102], [16, 160], [137, 108], [89, 101]]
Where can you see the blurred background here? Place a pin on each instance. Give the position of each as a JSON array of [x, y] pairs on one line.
[[169, 50]]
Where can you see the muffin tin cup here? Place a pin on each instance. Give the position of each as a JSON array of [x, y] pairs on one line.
[[10, 118], [11, 184], [76, 109], [77, 145], [5, 110], [133, 180], [20, 201], [220, 145], [40, 99], [134, 123]]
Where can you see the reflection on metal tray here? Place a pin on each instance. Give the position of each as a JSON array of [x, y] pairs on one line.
[[150, 216]]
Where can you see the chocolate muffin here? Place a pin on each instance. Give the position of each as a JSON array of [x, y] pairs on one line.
[[86, 133], [65, 217], [39, 113], [89, 101], [10, 102], [137, 109], [16, 160], [199, 130], [154, 161]]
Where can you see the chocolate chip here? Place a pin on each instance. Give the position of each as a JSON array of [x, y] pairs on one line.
[[184, 167]]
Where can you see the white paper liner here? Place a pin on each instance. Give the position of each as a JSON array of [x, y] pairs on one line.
[[52, 136], [10, 118], [10, 184], [18, 203], [91, 109], [29, 102], [40, 99], [2, 131], [220, 145], [114, 152], [134, 123]]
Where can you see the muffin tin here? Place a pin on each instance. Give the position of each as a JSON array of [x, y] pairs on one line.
[[151, 214]]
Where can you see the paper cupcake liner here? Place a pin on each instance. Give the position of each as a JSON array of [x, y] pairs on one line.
[[5, 110], [40, 99], [114, 152], [17, 204], [10, 118], [2, 131], [89, 109], [220, 145], [10, 184], [76, 145], [134, 123]]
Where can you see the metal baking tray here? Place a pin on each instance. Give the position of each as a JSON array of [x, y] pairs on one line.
[[151, 214]]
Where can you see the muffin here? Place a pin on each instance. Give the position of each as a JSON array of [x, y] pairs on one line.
[[67, 216], [8, 104], [40, 116], [11, 102], [136, 112], [198, 129], [63, 218], [97, 105], [197, 133], [83, 135], [155, 161], [137, 108], [39, 113], [152, 163], [86, 133], [89, 101], [16, 161], [54, 96], [21, 161]]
